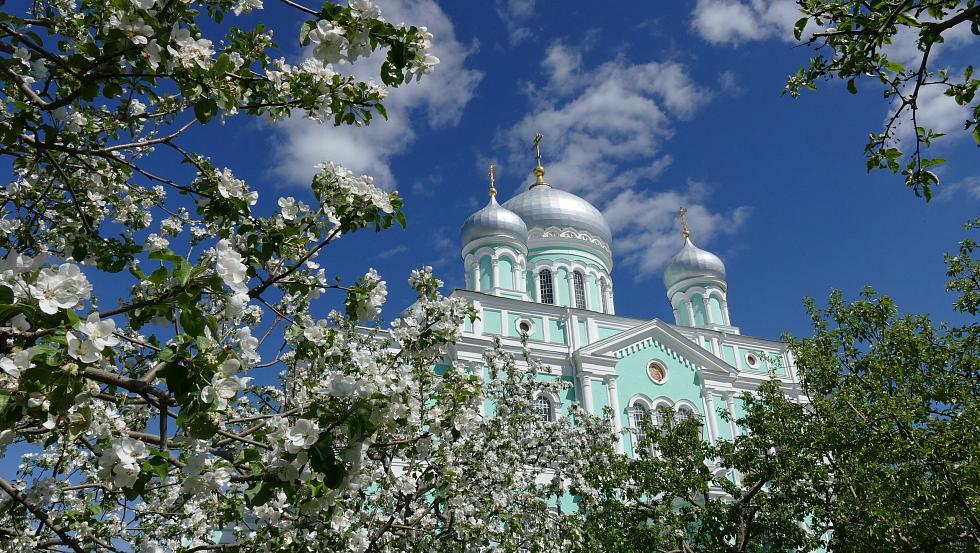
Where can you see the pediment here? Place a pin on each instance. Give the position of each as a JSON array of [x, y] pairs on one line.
[[657, 332]]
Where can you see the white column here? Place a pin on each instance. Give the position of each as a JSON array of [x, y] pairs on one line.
[[546, 329], [711, 415], [724, 311], [570, 282], [617, 416], [612, 302], [478, 323], [517, 279], [588, 292], [716, 346], [477, 369], [677, 314], [504, 323], [731, 422], [587, 393], [537, 286], [730, 403], [496, 273], [476, 276], [690, 312], [592, 329]]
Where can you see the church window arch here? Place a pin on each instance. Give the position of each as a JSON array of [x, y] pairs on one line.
[[684, 413], [544, 408], [578, 286], [638, 412], [547, 286]]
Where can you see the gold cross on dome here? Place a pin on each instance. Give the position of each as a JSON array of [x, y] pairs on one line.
[[682, 214], [493, 191], [537, 147]]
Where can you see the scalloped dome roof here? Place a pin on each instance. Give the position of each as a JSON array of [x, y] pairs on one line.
[[542, 206], [693, 262], [493, 220]]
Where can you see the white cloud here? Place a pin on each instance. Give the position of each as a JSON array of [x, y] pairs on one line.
[[646, 226], [604, 132], [515, 14], [737, 21], [936, 111], [970, 186], [441, 97]]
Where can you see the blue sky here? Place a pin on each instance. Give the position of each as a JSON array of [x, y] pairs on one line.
[[644, 108]]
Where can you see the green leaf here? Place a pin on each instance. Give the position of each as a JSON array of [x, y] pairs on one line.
[[192, 321], [799, 26], [205, 109], [851, 88]]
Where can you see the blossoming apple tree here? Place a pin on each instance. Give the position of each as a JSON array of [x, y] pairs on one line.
[[169, 376]]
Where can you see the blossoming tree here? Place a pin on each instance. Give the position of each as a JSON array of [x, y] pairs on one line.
[[167, 370]]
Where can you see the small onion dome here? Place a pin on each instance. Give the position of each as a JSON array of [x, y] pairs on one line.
[[494, 220], [543, 206], [693, 262]]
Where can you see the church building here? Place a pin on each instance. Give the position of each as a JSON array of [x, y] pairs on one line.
[[541, 264]]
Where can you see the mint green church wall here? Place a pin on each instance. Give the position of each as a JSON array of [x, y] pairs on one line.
[[605, 332], [714, 309], [600, 396], [684, 318], [728, 354], [681, 384], [581, 334], [724, 429], [556, 330], [491, 321], [700, 317], [486, 273], [562, 297], [595, 299], [565, 254], [505, 272], [531, 287]]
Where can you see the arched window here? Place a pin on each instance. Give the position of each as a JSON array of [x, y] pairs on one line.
[[547, 286], [639, 413], [685, 413], [544, 408], [578, 283]]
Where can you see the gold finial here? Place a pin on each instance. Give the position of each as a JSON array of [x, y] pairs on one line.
[[539, 168], [681, 214], [493, 191]]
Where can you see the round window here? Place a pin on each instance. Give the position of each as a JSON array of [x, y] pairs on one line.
[[524, 326], [752, 360], [657, 372]]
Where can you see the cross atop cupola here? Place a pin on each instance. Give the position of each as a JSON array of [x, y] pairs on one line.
[[539, 168]]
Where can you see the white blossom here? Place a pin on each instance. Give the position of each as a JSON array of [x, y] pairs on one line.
[[120, 463], [230, 267], [99, 331], [301, 435], [61, 288]]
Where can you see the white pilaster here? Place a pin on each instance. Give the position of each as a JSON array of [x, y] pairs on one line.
[[617, 416], [496, 273], [476, 277], [587, 394], [711, 415]]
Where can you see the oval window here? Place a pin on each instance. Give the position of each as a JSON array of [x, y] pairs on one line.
[[657, 372]]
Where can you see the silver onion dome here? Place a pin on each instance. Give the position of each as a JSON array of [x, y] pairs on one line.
[[543, 206], [493, 221], [693, 262]]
